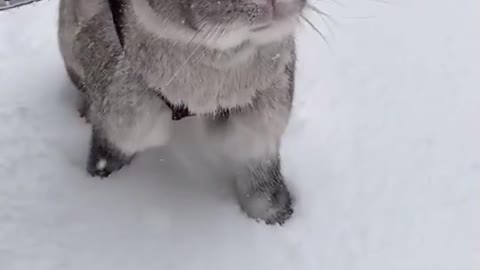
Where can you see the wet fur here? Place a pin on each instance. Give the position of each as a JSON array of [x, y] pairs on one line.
[[251, 76]]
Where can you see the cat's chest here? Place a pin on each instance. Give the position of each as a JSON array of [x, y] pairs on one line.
[[208, 81]]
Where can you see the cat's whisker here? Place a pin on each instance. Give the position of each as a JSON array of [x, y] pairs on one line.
[[322, 14], [314, 28]]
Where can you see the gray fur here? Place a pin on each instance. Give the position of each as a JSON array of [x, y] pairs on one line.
[[209, 55]]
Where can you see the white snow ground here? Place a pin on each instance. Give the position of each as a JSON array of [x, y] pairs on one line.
[[382, 154]]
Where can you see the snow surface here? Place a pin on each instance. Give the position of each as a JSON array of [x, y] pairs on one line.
[[382, 154]]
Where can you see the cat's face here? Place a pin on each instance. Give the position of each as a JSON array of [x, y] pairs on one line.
[[231, 22]]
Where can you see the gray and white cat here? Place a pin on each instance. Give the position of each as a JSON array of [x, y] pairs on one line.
[[231, 63]]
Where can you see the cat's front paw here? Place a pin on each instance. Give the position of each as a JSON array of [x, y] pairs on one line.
[[104, 159], [270, 202]]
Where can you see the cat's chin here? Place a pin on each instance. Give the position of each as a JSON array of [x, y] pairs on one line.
[[225, 39], [276, 31]]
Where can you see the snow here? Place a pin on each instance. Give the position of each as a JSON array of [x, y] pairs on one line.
[[102, 164], [382, 154]]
